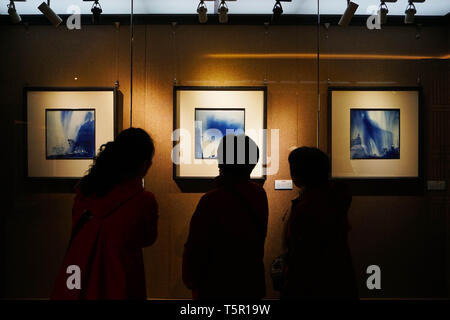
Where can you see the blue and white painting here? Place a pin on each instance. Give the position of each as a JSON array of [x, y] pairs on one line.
[[211, 125], [70, 134], [374, 134]]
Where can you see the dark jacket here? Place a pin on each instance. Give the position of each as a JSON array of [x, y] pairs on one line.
[[108, 248], [224, 253], [319, 260]]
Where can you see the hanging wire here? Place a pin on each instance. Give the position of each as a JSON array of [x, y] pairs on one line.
[[117, 26], [146, 42], [131, 61], [318, 74], [266, 61], [175, 53]]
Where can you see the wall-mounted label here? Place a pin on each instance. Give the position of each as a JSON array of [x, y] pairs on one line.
[[436, 185], [283, 184]]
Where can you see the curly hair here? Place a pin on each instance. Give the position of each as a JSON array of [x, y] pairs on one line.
[[118, 161]]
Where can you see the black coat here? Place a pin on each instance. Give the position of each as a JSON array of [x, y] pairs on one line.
[[319, 263], [223, 256]]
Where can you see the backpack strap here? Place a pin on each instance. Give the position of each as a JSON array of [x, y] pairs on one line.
[[87, 215]]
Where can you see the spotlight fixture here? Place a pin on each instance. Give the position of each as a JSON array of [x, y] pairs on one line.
[[348, 14], [411, 11], [50, 14], [202, 11], [383, 11], [96, 11], [13, 15], [223, 12], [278, 9]]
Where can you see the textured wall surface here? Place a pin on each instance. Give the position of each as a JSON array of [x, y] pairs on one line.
[[407, 236]]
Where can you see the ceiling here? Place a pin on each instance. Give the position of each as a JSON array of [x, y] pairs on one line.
[[337, 7]]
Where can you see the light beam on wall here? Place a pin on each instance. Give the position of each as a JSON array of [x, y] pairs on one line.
[[342, 56]]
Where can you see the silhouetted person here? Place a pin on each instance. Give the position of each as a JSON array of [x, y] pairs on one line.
[[319, 260], [223, 256], [113, 218]]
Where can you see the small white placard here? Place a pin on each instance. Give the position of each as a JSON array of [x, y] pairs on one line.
[[436, 185], [283, 184]]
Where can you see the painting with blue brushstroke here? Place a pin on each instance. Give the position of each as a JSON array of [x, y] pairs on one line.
[[211, 125], [375, 134], [70, 133]]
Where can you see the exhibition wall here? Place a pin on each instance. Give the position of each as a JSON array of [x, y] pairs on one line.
[[405, 235]]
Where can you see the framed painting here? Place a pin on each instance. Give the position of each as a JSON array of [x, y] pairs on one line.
[[375, 138], [65, 129], [203, 115]]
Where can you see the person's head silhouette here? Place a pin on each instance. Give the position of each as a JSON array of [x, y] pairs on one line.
[[237, 156], [309, 167], [128, 157]]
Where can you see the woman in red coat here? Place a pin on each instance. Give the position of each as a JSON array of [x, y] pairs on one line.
[[223, 256], [113, 218]]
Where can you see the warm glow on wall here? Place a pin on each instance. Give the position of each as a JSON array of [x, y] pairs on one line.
[[322, 56]]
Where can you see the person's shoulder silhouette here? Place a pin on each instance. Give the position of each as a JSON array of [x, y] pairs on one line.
[[224, 252], [113, 219], [317, 232]]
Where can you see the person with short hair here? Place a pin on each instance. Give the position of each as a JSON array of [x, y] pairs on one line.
[[113, 218], [319, 263], [223, 256]]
